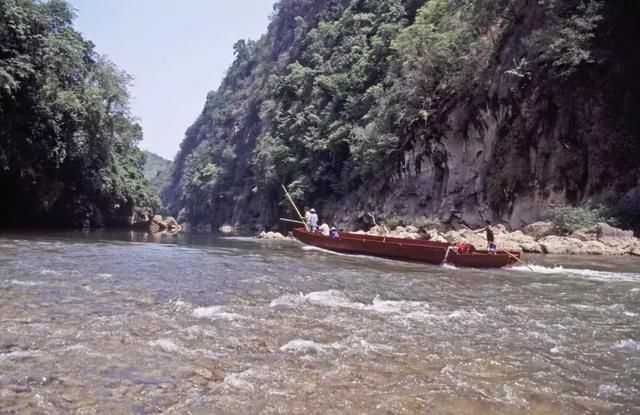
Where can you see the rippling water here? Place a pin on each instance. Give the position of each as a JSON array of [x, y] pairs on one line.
[[112, 323]]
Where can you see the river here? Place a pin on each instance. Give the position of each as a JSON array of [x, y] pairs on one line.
[[121, 323]]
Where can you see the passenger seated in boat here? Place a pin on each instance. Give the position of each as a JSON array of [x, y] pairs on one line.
[[334, 233], [465, 248], [324, 228]]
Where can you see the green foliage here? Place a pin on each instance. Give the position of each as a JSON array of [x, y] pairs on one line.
[[331, 98], [568, 219], [66, 121], [624, 210], [154, 165], [565, 44]]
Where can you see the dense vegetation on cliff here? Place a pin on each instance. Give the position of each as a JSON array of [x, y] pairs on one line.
[[68, 144], [470, 109], [156, 170]]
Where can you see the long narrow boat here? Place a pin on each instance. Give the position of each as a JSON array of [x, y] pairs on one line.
[[405, 249]]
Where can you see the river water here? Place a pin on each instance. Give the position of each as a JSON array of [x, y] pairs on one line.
[[119, 323]]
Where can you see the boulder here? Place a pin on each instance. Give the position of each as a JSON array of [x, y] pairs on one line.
[[518, 241], [411, 229], [619, 246], [617, 241], [171, 222], [518, 237], [379, 231], [508, 245], [538, 230], [559, 245], [157, 223], [604, 232], [410, 232], [594, 248], [499, 229], [531, 247], [584, 235], [466, 236], [434, 235]]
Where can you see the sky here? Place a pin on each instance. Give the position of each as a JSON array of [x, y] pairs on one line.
[[176, 51]]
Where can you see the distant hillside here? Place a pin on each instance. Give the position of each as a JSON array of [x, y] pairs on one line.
[[156, 170], [154, 164]]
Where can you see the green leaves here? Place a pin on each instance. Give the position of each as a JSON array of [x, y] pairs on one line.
[[65, 116]]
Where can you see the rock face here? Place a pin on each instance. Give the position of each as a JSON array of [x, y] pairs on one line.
[[504, 149], [607, 232]]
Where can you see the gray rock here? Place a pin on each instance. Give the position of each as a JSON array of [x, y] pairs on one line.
[[531, 247], [436, 236], [604, 231], [559, 245], [538, 230], [584, 235], [595, 248]]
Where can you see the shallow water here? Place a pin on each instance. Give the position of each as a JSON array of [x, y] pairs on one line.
[[122, 323]]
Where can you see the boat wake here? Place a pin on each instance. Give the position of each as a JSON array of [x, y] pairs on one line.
[[590, 274], [356, 256]]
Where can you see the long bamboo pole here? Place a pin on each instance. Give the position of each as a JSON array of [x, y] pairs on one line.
[[292, 221], [296, 208], [504, 250]]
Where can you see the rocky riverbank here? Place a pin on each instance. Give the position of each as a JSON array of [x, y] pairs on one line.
[[537, 238]]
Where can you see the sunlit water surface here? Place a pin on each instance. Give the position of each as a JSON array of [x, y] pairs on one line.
[[117, 323]]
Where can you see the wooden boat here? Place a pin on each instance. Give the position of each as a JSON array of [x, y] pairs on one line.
[[405, 249]]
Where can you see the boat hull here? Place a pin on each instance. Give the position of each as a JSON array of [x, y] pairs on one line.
[[404, 249]]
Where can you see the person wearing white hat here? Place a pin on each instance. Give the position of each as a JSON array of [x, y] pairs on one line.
[[313, 220]]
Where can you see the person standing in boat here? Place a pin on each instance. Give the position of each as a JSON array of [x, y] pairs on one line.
[[490, 237], [307, 217], [324, 228], [313, 220]]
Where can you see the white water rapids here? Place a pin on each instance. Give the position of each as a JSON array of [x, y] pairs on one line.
[[99, 323]]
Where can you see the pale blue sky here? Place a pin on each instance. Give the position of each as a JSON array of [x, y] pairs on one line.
[[177, 51]]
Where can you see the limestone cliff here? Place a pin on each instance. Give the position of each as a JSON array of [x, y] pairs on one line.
[[514, 106]]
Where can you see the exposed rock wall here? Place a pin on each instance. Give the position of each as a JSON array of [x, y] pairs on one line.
[[505, 150], [519, 145]]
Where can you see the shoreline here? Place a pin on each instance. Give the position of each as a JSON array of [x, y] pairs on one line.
[[536, 238]]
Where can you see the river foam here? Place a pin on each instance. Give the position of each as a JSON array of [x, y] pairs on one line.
[[590, 274], [216, 313], [304, 346]]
